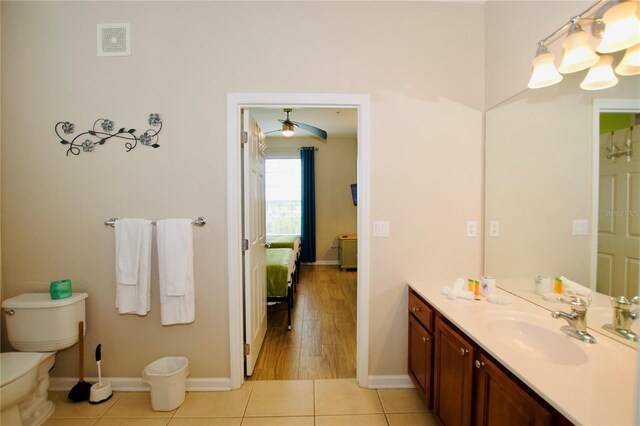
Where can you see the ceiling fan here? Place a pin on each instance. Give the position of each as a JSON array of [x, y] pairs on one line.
[[288, 127]]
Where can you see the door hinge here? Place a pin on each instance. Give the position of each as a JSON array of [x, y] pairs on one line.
[[245, 244], [247, 349], [244, 137]]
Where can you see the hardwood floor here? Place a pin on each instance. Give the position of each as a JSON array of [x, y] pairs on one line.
[[322, 340]]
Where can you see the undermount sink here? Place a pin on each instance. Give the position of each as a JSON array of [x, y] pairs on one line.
[[520, 333]]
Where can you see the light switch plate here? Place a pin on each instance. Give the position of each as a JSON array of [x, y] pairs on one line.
[[381, 228], [494, 228], [580, 227]]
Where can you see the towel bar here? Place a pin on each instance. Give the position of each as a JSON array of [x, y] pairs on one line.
[[199, 221]]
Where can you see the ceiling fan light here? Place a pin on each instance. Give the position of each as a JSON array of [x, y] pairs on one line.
[[287, 129], [544, 72], [601, 75], [578, 55], [630, 64], [622, 27]]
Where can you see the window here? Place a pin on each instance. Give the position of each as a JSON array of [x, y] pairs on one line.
[[283, 196]]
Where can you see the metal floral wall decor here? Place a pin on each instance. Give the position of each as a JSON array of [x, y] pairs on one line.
[[102, 131]]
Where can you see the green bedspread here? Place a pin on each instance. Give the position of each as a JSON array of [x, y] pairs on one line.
[[278, 271], [282, 241]]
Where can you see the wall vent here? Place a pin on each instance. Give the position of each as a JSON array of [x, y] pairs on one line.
[[114, 39]]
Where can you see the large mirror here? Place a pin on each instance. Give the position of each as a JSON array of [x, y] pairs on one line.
[[546, 172]]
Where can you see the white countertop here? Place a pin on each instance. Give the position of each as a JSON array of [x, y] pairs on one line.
[[599, 391]]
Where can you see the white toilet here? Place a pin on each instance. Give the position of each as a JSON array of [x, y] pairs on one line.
[[37, 326]]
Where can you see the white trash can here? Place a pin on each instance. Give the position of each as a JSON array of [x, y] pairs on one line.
[[167, 378]]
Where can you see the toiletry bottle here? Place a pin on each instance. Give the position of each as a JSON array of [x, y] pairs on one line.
[[557, 286], [470, 285], [476, 288]]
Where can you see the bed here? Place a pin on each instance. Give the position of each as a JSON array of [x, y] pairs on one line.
[[281, 267], [288, 241]]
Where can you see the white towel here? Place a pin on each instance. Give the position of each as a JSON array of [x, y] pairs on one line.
[[133, 266], [175, 264], [580, 290]]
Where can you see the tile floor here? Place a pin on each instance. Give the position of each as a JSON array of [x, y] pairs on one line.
[[274, 402]]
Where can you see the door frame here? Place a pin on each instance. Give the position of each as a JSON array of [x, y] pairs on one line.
[[600, 106], [237, 101]]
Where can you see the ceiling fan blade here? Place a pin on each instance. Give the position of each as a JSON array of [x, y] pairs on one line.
[[272, 131], [312, 129]]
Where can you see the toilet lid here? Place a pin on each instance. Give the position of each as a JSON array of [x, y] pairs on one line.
[[14, 365]]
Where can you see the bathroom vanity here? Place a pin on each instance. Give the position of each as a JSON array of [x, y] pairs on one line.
[[474, 362]]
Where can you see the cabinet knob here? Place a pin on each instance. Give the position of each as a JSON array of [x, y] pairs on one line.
[[463, 351], [425, 339], [416, 309], [479, 364]]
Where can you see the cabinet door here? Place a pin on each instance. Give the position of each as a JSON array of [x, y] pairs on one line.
[[420, 358], [501, 401], [453, 376]]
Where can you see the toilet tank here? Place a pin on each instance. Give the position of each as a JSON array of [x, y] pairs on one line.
[[37, 323]]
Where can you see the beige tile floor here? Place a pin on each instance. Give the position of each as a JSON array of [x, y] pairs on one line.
[[274, 402]]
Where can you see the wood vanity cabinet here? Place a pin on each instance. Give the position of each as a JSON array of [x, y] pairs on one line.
[[461, 383], [499, 400], [453, 376], [420, 363]]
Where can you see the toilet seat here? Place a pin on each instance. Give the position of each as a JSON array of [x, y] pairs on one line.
[[14, 365]]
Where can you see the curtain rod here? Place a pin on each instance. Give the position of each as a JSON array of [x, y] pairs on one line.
[[289, 149]]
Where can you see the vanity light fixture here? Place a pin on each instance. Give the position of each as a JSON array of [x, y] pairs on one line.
[[578, 54], [601, 75], [630, 64], [545, 72], [616, 24], [621, 27]]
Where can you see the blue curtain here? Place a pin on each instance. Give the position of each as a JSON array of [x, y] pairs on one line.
[[308, 236]]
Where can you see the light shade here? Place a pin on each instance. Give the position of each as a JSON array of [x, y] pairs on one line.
[[600, 76], [544, 72], [578, 55], [630, 64], [287, 129], [622, 27]]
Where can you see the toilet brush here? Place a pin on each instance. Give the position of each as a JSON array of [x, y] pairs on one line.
[[100, 392], [80, 391]]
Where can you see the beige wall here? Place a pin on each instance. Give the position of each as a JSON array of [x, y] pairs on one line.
[[335, 165], [426, 150]]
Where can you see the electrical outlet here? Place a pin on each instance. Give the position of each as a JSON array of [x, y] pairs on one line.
[[494, 228], [471, 228]]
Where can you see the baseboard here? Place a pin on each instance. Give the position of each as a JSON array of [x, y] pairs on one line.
[[135, 384], [390, 382], [323, 262]]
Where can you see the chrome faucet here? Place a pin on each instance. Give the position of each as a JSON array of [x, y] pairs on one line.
[[623, 317], [577, 319]]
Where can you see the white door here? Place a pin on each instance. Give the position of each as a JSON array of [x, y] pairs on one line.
[[255, 269], [618, 272]]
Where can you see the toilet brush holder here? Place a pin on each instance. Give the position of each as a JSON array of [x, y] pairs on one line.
[[101, 391]]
